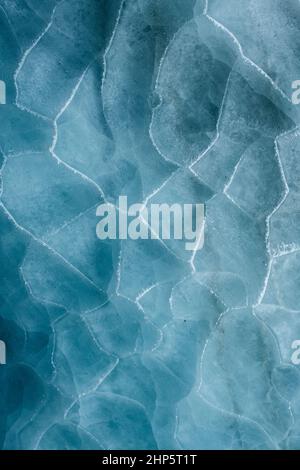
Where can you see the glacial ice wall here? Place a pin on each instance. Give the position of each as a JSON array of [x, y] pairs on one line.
[[141, 344]]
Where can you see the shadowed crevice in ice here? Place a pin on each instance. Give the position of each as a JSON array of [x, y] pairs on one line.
[[131, 66], [251, 112], [199, 60]]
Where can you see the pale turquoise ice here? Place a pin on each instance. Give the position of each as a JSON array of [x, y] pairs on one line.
[[142, 344]]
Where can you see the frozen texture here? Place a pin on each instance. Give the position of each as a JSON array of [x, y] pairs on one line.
[[141, 344]]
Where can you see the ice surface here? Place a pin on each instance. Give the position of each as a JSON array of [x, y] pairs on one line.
[[141, 344]]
